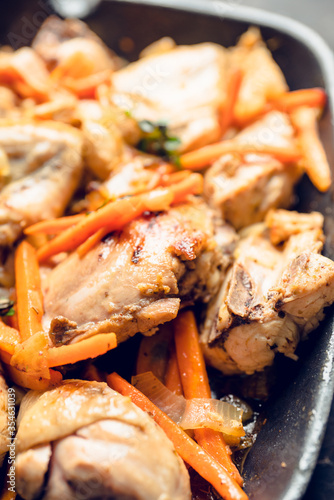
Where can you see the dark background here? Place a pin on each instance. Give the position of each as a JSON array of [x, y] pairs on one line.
[[319, 15]]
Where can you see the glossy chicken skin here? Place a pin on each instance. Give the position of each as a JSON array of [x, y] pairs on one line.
[[270, 298], [91, 441], [45, 167], [136, 279]]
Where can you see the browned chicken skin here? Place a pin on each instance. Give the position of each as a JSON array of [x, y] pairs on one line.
[[135, 280], [270, 297], [104, 453]]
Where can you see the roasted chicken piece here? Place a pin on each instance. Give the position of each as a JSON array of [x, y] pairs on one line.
[[135, 280], [103, 147], [89, 441], [244, 190], [60, 42], [45, 167], [106, 130], [184, 87], [273, 295]]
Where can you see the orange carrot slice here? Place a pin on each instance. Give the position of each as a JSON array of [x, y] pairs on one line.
[[85, 349], [30, 381], [195, 384], [169, 179], [191, 452], [28, 291], [227, 115], [201, 158], [54, 226], [173, 379], [93, 240], [115, 215], [315, 98], [86, 87], [314, 157]]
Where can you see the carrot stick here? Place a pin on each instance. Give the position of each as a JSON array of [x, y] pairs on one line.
[[195, 384], [314, 156], [190, 185], [30, 381], [93, 240], [192, 368], [88, 348], [12, 321], [28, 291], [232, 96], [153, 353], [196, 160], [169, 179], [85, 87], [115, 215], [191, 452], [54, 226], [289, 101], [172, 379]]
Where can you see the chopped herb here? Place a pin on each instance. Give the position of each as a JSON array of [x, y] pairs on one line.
[[6, 307], [11, 312], [157, 141]]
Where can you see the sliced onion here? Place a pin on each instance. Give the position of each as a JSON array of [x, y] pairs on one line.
[[173, 405], [192, 413]]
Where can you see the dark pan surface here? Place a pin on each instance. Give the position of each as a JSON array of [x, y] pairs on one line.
[[280, 463]]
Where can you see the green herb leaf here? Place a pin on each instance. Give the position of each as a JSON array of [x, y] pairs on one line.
[[6, 307], [156, 140]]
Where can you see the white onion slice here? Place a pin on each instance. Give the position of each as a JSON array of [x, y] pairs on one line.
[[191, 413]]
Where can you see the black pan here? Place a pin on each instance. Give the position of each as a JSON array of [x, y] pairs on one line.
[[280, 463]]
